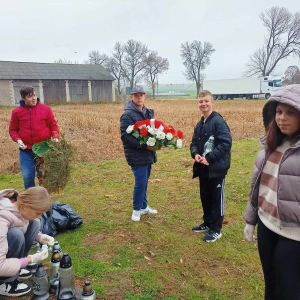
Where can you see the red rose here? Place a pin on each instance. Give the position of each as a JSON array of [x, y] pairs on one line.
[[180, 134], [171, 130], [144, 131]]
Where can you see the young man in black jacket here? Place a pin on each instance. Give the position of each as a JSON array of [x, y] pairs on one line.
[[139, 157], [211, 168]]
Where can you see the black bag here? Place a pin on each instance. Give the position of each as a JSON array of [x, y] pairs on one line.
[[59, 217], [47, 225], [65, 217]]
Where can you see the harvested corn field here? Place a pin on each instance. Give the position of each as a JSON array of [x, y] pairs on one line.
[[94, 128]]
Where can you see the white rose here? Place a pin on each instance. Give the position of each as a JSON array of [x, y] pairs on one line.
[[129, 129], [148, 127], [151, 131], [160, 135], [179, 143], [169, 136], [151, 142]]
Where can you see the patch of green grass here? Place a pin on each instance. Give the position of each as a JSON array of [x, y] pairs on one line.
[[159, 257]]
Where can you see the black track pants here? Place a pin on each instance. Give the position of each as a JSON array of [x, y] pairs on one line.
[[212, 198], [280, 259]]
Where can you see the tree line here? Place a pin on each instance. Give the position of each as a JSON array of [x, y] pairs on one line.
[[133, 62]]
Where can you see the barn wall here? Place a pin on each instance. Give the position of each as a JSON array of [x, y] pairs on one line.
[[20, 83], [102, 90], [5, 93], [78, 90], [54, 90]]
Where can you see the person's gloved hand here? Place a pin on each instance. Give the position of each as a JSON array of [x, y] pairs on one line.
[[46, 240], [39, 256], [249, 232], [21, 144], [55, 140]]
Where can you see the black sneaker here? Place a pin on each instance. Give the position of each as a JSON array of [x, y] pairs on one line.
[[200, 228], [14, 289], [24, 274], [212, 236]]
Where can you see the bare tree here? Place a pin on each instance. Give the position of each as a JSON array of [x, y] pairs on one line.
[[154, 65], [112, 65], [65, 61], [292, 75], [282, 40], [95, 58], [131, 59], [195, 59]]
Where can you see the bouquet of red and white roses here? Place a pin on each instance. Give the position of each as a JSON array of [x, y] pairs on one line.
[[155, 134]]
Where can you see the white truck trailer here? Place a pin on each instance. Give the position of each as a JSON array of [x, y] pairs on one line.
[[249, 87]]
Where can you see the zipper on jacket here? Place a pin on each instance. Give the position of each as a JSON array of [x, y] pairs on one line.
[[31, 127]]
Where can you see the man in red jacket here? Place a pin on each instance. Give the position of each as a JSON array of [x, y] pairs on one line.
[[31, 123]]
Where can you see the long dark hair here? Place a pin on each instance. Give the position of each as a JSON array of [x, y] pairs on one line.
[[274, 136]]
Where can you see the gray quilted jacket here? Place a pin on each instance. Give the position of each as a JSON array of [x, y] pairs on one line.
[[288, 193]]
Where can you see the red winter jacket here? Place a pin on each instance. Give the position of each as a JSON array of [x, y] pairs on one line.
[[32, 124]]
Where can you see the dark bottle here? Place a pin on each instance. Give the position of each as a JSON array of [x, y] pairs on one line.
[[87, 292], [40, 284], [53, 272], [56, 247], [66, 287]]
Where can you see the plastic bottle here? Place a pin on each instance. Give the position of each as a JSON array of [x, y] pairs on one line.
[[34, 248], [46, 261], [208, 146], [66, 287], [87, 292], [53, 272], [40, 284]]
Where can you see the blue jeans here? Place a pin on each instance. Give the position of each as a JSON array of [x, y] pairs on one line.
[[19, 243], [141, 175], [28, 168]]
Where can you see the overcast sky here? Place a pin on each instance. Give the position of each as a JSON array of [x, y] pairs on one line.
[[44, 31]]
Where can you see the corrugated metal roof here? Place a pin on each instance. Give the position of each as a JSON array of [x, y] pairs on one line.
[[29, 70]]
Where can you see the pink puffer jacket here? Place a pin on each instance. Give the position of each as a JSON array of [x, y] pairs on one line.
[[9, 217]]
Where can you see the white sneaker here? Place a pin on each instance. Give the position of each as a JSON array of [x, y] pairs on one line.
[[14, 289], [136, 215], [24, 274], [148, 210]]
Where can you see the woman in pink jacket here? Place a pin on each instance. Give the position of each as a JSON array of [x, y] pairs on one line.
[[19, 227], [275, 196]]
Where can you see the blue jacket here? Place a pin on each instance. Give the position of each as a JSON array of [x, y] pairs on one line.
[[219, 158], [136, 154]]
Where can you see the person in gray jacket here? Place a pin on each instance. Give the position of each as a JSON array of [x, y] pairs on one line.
[[275, 196]]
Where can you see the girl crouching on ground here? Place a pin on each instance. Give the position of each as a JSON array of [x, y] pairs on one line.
[[19, 227], [275, 196]]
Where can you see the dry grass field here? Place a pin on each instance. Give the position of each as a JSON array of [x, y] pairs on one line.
[[94, 128]]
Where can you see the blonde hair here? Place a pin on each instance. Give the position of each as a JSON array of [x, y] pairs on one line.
[[205, 93], [36, 198]]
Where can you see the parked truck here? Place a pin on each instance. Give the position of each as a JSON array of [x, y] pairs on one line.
[[248, 87]]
